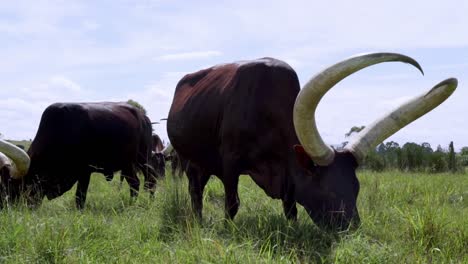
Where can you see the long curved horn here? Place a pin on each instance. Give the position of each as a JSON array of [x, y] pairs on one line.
[[20, 159], [310, 96], [167, 150], [389, 124]]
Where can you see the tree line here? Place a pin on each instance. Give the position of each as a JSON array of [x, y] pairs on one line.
[[413, 157]]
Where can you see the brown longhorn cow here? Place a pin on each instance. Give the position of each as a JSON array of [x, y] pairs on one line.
[[251, 117]]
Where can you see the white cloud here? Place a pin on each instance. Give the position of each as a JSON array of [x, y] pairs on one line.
[[20, 112], [157, 98], [56, 88], [65, 84]]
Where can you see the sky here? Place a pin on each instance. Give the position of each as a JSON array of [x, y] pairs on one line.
[[82, 51]]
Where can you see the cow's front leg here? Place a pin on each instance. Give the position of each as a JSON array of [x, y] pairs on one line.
[[82, 190]]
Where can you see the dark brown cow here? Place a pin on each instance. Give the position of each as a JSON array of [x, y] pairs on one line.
[[74, 140], [158, 159], [177, 167], [252, 118], [158, 145]]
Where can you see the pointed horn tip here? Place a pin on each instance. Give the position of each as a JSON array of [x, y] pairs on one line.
[[409, 60], [448, 85], [396, 57], [416, 64], [452, 82]]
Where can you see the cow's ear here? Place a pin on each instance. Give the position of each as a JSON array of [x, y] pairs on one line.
[[303, 158]]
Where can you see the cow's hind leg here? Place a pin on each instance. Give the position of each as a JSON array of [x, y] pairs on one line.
[[197, 182], [82, 190]]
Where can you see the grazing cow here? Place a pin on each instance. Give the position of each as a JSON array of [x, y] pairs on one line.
[[251, 117], [157, 160], [74, 140], [157, 144], [176, 164]]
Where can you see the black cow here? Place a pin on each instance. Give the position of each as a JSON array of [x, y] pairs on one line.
[[158, 159], [76, 139], [251, 117], [177, 168]]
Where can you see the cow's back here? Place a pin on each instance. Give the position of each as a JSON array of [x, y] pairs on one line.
[[240, 109]]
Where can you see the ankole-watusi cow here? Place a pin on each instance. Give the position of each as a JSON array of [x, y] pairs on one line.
[[74, 140], [157, 162], [251, 117]]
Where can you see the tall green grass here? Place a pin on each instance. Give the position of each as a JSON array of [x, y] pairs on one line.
[[406, 218]]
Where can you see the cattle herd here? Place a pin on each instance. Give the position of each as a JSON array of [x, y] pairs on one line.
[[247, 117]]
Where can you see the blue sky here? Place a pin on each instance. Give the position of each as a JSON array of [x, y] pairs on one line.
[[71, 51]]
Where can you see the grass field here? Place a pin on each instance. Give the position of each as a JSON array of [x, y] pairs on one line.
[[406, 218]]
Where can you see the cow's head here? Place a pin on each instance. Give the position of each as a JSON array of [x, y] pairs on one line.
[[158, 162], [14, 164], [330, 188]]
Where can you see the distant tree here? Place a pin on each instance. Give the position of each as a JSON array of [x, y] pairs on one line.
[[373, 161], [463, 156], [382, 149], [392, 154], [412, 155], [464, 151], [439, 148], [354, 129], [399, 159], [438, 161], [452, 162], [392, 145], [427, 147], [137, 105]]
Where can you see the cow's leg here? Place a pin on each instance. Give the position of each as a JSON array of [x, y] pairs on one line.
[[133, 181], [197, 182], [290, 209], [147, 165], [231, 180], [82, 190], [150, 179], [121, 180], [174, 166], [289, 197], [178, 168]]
